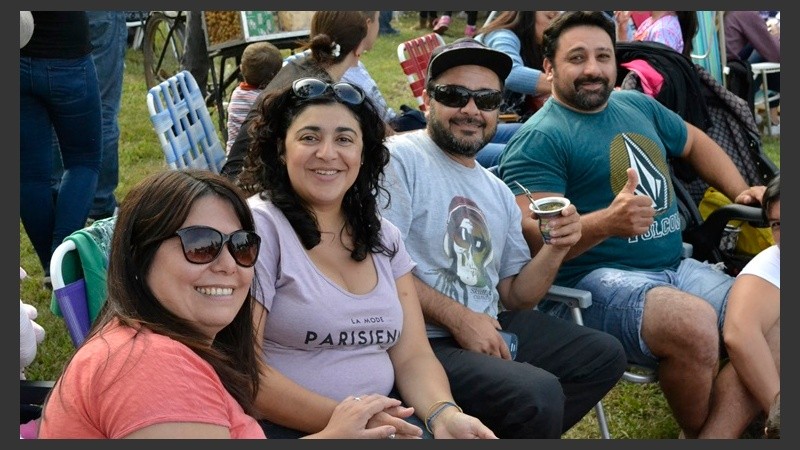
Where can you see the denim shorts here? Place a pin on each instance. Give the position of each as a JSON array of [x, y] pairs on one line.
[[618, 300]]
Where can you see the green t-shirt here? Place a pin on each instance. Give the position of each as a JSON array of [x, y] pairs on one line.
[[585, 156]]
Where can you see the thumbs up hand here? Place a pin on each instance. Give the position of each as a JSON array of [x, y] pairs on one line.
[[631, 214]]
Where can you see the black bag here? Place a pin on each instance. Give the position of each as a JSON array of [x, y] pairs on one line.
[[740, 80]]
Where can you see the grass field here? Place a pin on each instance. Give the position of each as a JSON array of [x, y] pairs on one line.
[[633, 411]]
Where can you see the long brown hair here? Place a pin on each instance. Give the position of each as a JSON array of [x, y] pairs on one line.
[[152, 211], [689, 26], [343, 28], [523, 24]]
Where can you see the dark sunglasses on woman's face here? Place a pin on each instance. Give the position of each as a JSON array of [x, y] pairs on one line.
[[312, 87], [202, 245], [455, 96]]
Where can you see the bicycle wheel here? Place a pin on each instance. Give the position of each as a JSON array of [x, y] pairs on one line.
[[163, 47]]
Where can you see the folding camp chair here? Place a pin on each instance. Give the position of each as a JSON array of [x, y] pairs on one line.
[[135, 20], [578, 300], [183, 124], [78, 271], [414, 56]]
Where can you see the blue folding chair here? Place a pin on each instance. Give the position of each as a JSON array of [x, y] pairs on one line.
[[183, 124]]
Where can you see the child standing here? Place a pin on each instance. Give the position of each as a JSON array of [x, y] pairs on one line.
[[260, 62]]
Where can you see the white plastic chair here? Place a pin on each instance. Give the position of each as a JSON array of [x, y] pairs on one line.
[[183, 124], [765, 95]]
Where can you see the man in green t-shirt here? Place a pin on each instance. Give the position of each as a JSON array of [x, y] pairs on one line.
[[607, 151]]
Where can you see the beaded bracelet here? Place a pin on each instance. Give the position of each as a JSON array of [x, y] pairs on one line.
[[442, 406], [433, 407]]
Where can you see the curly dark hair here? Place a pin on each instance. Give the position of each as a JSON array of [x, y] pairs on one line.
[[265, 173]]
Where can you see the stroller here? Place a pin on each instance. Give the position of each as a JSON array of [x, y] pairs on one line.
[[694, 94]]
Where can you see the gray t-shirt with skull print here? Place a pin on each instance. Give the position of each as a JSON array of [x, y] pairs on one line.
[[461, 225]]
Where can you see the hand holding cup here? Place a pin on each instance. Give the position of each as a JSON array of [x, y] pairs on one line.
[[546, 209]]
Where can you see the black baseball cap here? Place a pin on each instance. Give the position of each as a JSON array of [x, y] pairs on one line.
[[468, 51]]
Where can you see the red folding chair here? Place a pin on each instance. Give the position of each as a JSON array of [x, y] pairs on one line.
[[414, 56]]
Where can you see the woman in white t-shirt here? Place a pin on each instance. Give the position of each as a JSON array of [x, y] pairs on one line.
[[337, 309], [753, 317]]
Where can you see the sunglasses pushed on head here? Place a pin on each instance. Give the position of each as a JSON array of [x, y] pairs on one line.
[[309, 88]]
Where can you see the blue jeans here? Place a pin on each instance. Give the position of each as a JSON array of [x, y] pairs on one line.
[[58, 96], [385, 23], [618, 300], [489, 155], [109, 35]]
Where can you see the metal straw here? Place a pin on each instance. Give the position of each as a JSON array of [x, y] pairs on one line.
[[527, 192]]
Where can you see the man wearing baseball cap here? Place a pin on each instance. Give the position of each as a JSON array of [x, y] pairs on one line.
[[475, 276]]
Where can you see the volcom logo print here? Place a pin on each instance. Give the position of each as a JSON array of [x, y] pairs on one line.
[[645, 156]]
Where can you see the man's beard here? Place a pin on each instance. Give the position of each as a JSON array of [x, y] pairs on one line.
[[448, 142], [588, 101]]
